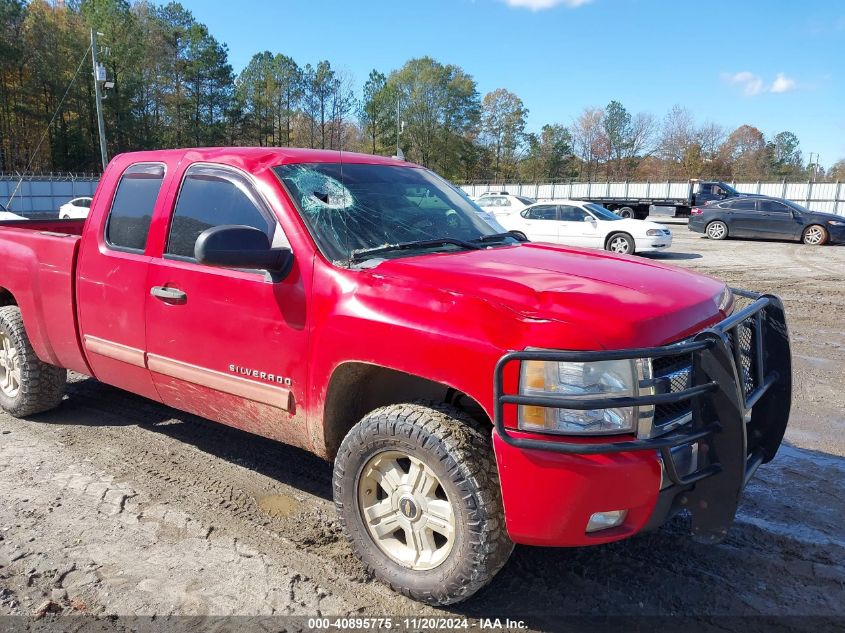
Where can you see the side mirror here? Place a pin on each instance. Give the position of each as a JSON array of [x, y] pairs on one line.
[[589, 219], [233, 246]]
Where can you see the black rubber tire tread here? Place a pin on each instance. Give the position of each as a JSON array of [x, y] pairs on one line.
[[42, 385], [463, 447], [628, 236], [825, 239]]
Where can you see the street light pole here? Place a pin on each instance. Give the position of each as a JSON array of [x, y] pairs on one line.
[[98, 95]]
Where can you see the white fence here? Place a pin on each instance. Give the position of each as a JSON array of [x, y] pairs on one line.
[[828, 197], [43, 194]]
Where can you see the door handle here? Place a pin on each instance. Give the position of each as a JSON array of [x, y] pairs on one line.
[[169, 294]]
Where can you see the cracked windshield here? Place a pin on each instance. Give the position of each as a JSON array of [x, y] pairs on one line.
[[357, 212]]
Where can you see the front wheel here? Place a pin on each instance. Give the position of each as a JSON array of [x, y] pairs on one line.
[[417, 491], [621, 243], [815, 235]]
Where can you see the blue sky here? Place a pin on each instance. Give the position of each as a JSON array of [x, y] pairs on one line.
[[776, 64]]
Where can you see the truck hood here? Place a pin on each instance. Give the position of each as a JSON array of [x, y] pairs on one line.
[[621, 301]]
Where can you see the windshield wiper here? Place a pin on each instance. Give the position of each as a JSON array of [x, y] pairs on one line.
[[363, 253], [495, 237]]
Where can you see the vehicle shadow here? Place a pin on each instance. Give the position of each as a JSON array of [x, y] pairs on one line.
[[92, 403], [783, 556], [669, 255]]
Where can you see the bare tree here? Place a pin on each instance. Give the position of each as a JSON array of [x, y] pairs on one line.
[[589, 140]]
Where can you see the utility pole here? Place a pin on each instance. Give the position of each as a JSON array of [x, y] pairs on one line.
[[98, 95], [398, 128]]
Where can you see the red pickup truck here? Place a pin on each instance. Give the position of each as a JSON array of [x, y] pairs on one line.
[[474, 390]]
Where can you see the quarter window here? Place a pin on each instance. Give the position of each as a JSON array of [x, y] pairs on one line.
[[212, 196], [132, 207]]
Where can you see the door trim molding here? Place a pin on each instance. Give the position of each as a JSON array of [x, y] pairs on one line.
[[278, 397], [116, 351]]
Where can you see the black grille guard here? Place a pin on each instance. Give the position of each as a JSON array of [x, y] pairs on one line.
[[740, 401]]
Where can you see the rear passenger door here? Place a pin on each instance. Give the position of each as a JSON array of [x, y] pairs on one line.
[[112, 281], [541, 223], [743, 218], [229, 345]]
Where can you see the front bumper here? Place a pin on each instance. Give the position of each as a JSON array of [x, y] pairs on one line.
[[653, 243], [739, 395]]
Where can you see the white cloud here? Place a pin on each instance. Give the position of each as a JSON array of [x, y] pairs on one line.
[[540, 5], [782, 83], [752, 84]]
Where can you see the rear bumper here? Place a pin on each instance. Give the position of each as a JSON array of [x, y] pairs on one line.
[[696, 224], [740, 395]]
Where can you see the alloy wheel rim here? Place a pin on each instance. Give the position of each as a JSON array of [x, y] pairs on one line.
[[716, 231], [814, 235], [406, 510], [10, 369], [619, 245]]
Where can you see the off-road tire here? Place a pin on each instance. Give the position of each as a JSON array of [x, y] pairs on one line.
[[713, 230], [613, 238], [42, 386], [815, 235], [458, 450]]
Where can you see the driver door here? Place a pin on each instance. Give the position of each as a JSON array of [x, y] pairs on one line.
[[225, 344], [577, 229]]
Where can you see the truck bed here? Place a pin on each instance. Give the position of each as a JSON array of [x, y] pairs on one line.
[[37, 272], [69, 227]]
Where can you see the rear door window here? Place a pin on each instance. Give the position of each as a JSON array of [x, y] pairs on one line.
[[132, 208], [744, 205], [542, 212]]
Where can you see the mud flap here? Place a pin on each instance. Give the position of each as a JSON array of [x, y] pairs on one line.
[[713, 501]]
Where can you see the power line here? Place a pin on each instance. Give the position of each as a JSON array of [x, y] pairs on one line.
[[47, 129]]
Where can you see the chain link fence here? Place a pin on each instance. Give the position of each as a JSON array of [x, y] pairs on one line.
[[40, 195]]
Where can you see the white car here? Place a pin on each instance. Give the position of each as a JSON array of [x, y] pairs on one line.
[[502, 203], [578, 223], [75, 209], [6, 216]]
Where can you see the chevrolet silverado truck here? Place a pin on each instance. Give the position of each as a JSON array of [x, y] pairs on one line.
[[474, 390]]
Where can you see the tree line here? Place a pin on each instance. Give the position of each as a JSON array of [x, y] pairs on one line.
[[174, 87]]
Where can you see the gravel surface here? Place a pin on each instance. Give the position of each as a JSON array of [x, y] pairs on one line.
[[113, 505]]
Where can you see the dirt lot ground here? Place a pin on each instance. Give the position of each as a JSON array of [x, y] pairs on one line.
[[114, 505]]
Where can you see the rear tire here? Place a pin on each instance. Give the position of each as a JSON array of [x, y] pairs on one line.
[[717, 230], [27, 384], [620, 243], [815, 235], [626, 212], [417, 491]]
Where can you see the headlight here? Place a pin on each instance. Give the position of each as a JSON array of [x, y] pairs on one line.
[[836, 223], [607, 378], [724, 300], [654, 232]]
